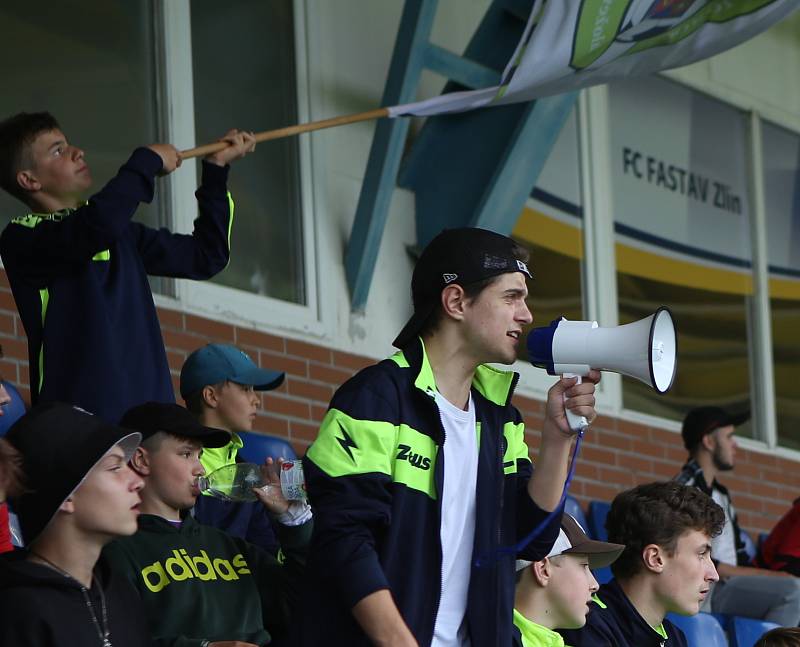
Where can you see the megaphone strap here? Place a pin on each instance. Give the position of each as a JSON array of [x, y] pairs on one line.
[[512, 551]]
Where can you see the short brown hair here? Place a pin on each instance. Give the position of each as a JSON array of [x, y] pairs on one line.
[[10, 469], [658, 513], [194, 401], [780, 637], [17, 133]]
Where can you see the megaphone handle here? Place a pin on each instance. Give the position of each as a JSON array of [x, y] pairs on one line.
[[576, 423]]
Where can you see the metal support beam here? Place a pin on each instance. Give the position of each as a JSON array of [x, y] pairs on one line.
[[454, 160], [523, 160], [387, 148], [478, 168], [762, 376], [459, 69]]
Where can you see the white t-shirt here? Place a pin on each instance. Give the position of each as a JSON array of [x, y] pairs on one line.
[[457, 532], [723, 546]]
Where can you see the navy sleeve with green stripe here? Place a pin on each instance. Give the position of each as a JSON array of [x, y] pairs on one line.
[[348, 473]]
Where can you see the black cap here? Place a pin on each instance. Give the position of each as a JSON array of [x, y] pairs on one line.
[[59, 444], [456, 256], [152, 417], [703, 420]]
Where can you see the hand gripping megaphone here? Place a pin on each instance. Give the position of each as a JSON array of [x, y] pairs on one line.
[[645, 349]]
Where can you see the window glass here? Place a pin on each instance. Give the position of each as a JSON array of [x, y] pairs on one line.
[[782, 190], [681, 220], [91, 64], [249, 83], [550, 227]]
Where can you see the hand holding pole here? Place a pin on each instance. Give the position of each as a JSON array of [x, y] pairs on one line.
[[288, 131]]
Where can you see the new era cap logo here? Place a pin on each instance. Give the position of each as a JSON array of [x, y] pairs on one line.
[[449, 278], [491, 262], [523, 267]]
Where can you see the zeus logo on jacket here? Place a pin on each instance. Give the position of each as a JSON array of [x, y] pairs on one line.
[[183, 566], [404, 453]]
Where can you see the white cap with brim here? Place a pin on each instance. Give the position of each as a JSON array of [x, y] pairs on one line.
[[573, 540]]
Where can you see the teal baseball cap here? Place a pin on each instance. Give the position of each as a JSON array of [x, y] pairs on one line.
[[215, 363]]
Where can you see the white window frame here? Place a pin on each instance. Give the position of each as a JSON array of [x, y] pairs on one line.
[[600, 265], [598, 262], [204, 298]]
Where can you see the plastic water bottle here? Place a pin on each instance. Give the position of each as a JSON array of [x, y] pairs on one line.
[[235, 482]]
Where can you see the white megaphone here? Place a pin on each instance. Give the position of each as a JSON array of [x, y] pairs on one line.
[[645, 349]]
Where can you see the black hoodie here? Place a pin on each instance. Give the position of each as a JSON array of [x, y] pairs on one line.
[[39, 607]]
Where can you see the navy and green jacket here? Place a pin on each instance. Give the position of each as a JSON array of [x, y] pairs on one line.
[[614, 622], [79, 278], [530, 634], [375, 475]]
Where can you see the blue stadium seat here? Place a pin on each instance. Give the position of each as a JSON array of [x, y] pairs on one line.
[[598, 510], [749, 546], [13, 411], [257, 447], [744, 632], [603, 575], [724, 620], [573, 508], [701, 630]]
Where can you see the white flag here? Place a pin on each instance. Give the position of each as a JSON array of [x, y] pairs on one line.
[[572, 44]]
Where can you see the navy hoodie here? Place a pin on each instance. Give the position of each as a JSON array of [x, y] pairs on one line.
[[79, 278], [615, 622]]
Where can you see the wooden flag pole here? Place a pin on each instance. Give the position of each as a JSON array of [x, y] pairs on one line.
[[266, 135]]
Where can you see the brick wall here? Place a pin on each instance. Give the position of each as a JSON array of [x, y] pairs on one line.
[[616, 454]]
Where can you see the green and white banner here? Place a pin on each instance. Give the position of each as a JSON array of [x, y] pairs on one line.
[[572, 44]]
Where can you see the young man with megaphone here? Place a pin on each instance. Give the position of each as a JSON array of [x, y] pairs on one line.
[[420, 476]]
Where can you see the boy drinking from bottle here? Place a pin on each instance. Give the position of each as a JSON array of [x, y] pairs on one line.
[[221, 386], [180, 567]]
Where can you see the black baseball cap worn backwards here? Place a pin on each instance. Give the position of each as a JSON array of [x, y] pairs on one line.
[[151, 417], [704, 420], [456, 256], [59, 444]]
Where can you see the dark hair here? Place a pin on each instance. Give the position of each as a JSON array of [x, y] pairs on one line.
[[195, 402], [471, 291], [658, 513], [10, 469], [17, 133], [780, 637]]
